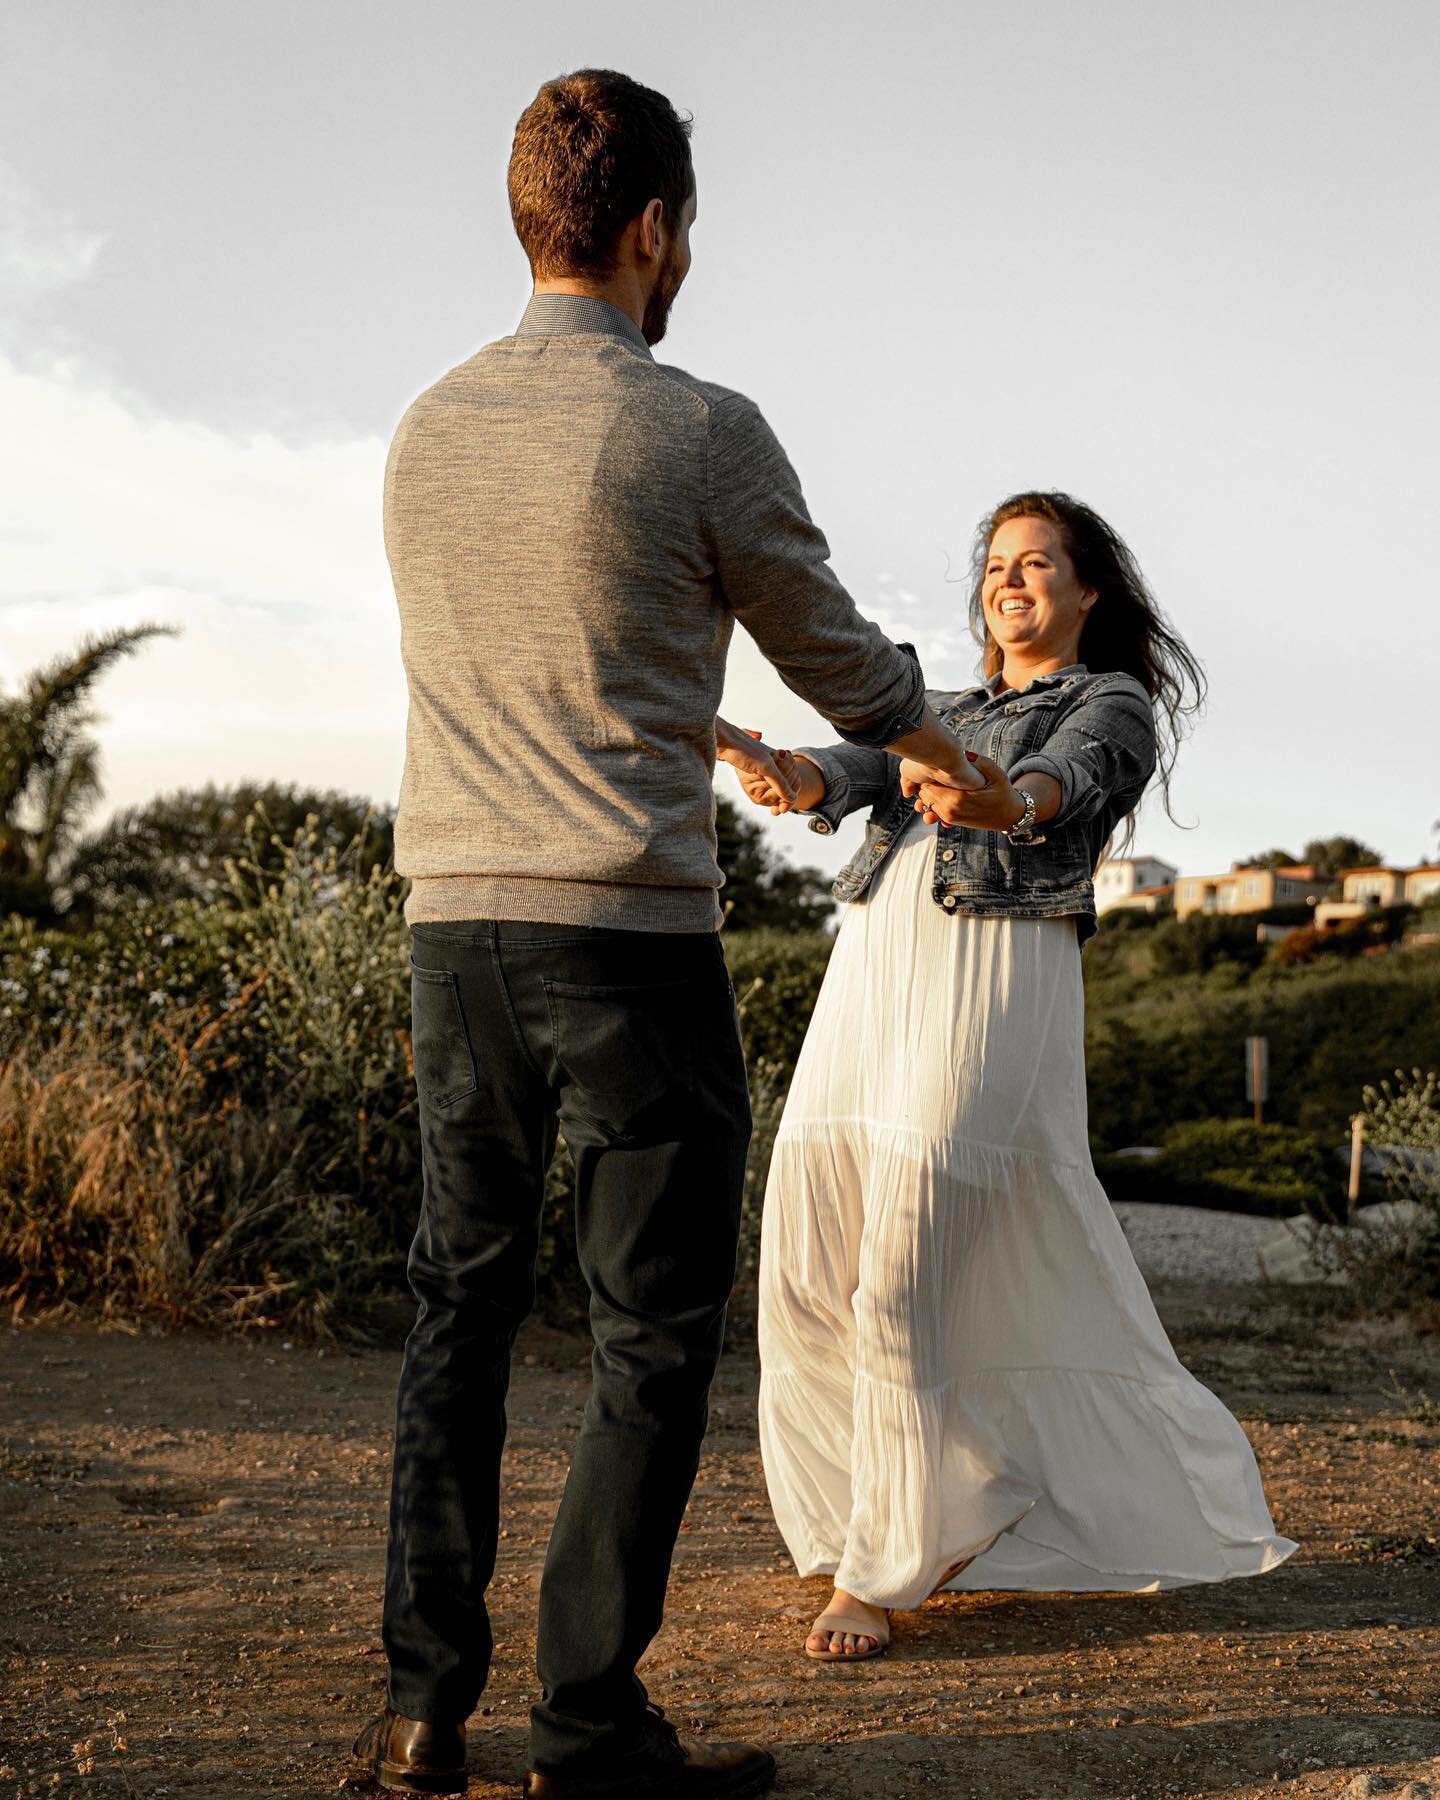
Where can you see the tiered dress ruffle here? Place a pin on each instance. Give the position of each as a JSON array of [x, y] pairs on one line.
[[959, 1355]]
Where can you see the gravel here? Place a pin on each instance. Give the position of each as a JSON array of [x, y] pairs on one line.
[[1192, 1243]]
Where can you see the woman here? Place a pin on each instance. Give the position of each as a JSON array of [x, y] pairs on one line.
[[964, 1382]]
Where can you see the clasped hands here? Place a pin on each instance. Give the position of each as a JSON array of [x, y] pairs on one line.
[[777, 779], [784, 782], [994, 807]]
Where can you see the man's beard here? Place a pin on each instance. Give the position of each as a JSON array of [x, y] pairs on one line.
[[657, 307]]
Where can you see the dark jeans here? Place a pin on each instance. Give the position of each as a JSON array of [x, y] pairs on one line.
[[629, 1042]]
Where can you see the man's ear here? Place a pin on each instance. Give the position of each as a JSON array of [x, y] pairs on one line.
[[652, 222]]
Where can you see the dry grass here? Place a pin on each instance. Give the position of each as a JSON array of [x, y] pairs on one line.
[[133, 1183]]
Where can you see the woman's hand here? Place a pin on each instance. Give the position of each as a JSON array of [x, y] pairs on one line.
[[995, 807], [809, 785], [769, 777]]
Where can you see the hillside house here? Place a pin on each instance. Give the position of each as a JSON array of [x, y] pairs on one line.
[[1247, 890], [1137, 881], [1363, 890]]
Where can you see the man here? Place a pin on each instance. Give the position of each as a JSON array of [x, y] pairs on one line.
[[573, 530]]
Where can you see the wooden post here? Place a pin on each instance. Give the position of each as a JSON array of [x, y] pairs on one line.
[[1357, 1160], [1257, 1074]]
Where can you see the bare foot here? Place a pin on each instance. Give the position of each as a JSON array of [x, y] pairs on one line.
[[849, 1643]]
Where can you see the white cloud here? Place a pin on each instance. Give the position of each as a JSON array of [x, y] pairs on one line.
[[40, 253], [268, 556]]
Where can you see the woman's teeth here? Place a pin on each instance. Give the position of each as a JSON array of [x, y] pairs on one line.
[[1015, 606]]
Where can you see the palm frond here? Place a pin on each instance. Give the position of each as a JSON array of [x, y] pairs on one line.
[[38, 725], [65, 792]]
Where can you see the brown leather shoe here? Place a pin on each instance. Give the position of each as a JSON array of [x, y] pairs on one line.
[[411, 1756], [667, 1767]]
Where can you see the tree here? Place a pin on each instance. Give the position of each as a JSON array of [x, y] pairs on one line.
[[1331, 855], [1195, 945], [176, 846], [1270, 859], [50, 767], [760, 889]]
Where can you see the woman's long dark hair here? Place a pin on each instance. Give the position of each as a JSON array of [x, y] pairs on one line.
[[1124, 631]]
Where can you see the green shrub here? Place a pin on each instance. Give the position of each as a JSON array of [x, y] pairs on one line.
[[1293, 913], [1174, 1051], [138, 963], [208, 1113], [1229, 1165], [777, 976], [271, 1177], [1392, 1260], [1191, 946], [1377, 930]]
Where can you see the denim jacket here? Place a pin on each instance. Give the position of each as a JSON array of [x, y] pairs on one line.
[[1095, 734]]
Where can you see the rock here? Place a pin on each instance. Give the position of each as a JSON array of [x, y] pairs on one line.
[[1285, 1254]]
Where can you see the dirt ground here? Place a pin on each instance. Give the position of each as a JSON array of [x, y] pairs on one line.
[[191, 1550]]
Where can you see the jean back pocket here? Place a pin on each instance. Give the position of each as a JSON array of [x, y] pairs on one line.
[[444, 1060]]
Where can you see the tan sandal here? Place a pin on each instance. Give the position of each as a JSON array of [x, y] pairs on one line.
[[847, 1622]]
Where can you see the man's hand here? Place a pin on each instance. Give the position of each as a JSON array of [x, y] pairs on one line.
[[994, 807], [810, 785], [769, 777]]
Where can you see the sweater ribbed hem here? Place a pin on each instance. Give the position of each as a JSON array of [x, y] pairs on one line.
[[437, 898]]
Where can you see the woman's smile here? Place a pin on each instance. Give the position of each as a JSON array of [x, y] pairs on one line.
[[1034, 602]]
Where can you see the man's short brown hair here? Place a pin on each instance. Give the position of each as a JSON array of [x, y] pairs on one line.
[[591, 151]]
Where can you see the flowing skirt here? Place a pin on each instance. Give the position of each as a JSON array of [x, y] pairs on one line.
[[959, 1356]]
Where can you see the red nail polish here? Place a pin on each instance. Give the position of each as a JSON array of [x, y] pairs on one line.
[[970, 756]]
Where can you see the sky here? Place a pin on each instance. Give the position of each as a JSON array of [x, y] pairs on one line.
[[1179, 260]]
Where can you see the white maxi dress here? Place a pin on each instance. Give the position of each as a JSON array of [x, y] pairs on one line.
[[959, 1356]]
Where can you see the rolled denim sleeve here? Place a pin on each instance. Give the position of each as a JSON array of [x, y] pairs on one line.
[[773, 565], [855, 776], [1102, 749]]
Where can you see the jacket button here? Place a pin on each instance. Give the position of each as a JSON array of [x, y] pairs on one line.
[[950, 903], [820, 826], [947, 856]]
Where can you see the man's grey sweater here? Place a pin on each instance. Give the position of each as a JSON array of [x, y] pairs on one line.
[[573, 529]]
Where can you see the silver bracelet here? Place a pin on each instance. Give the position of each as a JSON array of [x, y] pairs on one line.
[[1023, 830]]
